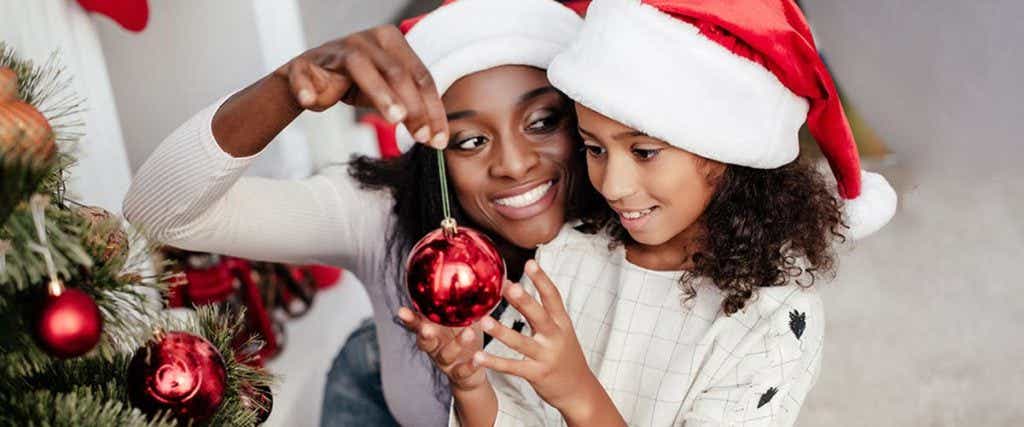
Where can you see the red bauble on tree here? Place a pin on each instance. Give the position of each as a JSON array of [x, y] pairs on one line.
[[178, 372], [69, 324], [454, 275]]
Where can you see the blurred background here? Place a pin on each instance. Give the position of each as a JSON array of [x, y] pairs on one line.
[[923, 317]]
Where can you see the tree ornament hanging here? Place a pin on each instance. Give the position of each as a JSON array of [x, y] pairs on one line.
[[27, 145], [454, 274], [69, 322], [180, 373]]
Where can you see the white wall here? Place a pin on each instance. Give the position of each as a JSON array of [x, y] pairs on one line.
[[924, 319]]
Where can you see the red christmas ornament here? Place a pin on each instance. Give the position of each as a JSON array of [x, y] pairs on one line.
[[454, 275], [131, 15], [70, 323], [179, 372]]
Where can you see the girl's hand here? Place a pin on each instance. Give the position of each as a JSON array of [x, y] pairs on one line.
[[373, 68], [554, 365], [451, 349]]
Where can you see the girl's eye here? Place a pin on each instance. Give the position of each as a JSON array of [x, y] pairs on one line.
[[594, 150], [646, 154], [471, 143]]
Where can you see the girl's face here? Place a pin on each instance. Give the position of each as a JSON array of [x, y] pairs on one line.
[[509, 153], [659, 191]]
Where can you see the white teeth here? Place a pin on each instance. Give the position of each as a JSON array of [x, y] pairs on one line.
[[526, 199], [636, 214]]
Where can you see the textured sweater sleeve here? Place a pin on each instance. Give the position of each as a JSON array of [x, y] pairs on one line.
[[191, 194], [778, 365]]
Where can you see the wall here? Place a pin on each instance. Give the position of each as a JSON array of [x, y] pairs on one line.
[[924, 318]]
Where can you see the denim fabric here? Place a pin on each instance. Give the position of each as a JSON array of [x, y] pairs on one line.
[[353, 395]]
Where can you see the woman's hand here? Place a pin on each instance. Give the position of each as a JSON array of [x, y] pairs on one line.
[[451, 349], [373, 68], [554, 363]]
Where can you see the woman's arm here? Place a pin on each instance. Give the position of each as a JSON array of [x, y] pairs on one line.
[[190, 193], [373, 68]]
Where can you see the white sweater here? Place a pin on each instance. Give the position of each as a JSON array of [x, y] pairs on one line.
[[191, 194], [665, 362]]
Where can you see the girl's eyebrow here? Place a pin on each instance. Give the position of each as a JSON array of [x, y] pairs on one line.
[[619, 136]]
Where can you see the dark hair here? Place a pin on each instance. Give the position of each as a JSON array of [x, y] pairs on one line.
[[763, 227], [413, 181]]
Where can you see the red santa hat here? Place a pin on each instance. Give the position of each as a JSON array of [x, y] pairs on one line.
[[731, 81], [462, 37]]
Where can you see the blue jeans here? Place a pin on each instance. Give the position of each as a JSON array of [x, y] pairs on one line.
[[353, 394]]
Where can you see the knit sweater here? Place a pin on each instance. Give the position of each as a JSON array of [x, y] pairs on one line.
[[666, 360], [191, 194]]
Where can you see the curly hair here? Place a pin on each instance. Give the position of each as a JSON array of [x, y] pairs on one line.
[[762, 228]]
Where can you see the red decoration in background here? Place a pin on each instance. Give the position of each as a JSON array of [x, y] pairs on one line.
[[70, 324], [179, 372], [325, 276], [455, 278], [132, 15]]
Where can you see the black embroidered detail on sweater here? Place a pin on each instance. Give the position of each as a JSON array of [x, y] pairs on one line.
[[518, 326], [797, 323], [767, 396]]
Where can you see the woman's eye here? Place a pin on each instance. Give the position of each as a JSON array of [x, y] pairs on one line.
[[646, 154], [544, 123], [471, 143], [594, 150]]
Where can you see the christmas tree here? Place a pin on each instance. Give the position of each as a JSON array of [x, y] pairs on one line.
[[84, 338]]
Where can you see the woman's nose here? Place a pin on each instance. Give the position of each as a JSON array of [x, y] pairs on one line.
[[515, 158]]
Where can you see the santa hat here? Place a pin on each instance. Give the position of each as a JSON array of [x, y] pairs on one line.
[[731, 81], [462, 37]]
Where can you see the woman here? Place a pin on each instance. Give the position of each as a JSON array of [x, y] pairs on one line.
[[510, 155]]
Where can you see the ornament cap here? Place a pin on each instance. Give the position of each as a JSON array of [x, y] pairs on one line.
[[450, 227]]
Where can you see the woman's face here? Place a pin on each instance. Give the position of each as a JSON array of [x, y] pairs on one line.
[[509, 153], [658, 191]]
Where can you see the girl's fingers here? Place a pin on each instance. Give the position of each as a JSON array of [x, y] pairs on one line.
[[514, 340], [449, 354], [463, 370], [520, 368], [534, 313], [549, 295]]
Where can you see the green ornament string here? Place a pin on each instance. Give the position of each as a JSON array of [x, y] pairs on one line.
[[448, 223]]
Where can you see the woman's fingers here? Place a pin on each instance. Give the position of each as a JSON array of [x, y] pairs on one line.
[[300, 80], [395, 44], [534, 313], [365, 74], [514, 340]]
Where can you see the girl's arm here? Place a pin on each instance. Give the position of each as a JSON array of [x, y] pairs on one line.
[[553, 362]]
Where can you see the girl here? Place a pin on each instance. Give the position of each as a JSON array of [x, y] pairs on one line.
[[702, 313], [507, 130]]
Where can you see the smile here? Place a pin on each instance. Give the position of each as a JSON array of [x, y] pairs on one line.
[[527, 198], [527, 201]]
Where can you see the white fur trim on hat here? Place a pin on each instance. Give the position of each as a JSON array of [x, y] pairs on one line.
[[468, 36], [872, 209], [655, 73]]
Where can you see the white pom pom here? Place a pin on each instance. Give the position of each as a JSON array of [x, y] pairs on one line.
[[872, 209]]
